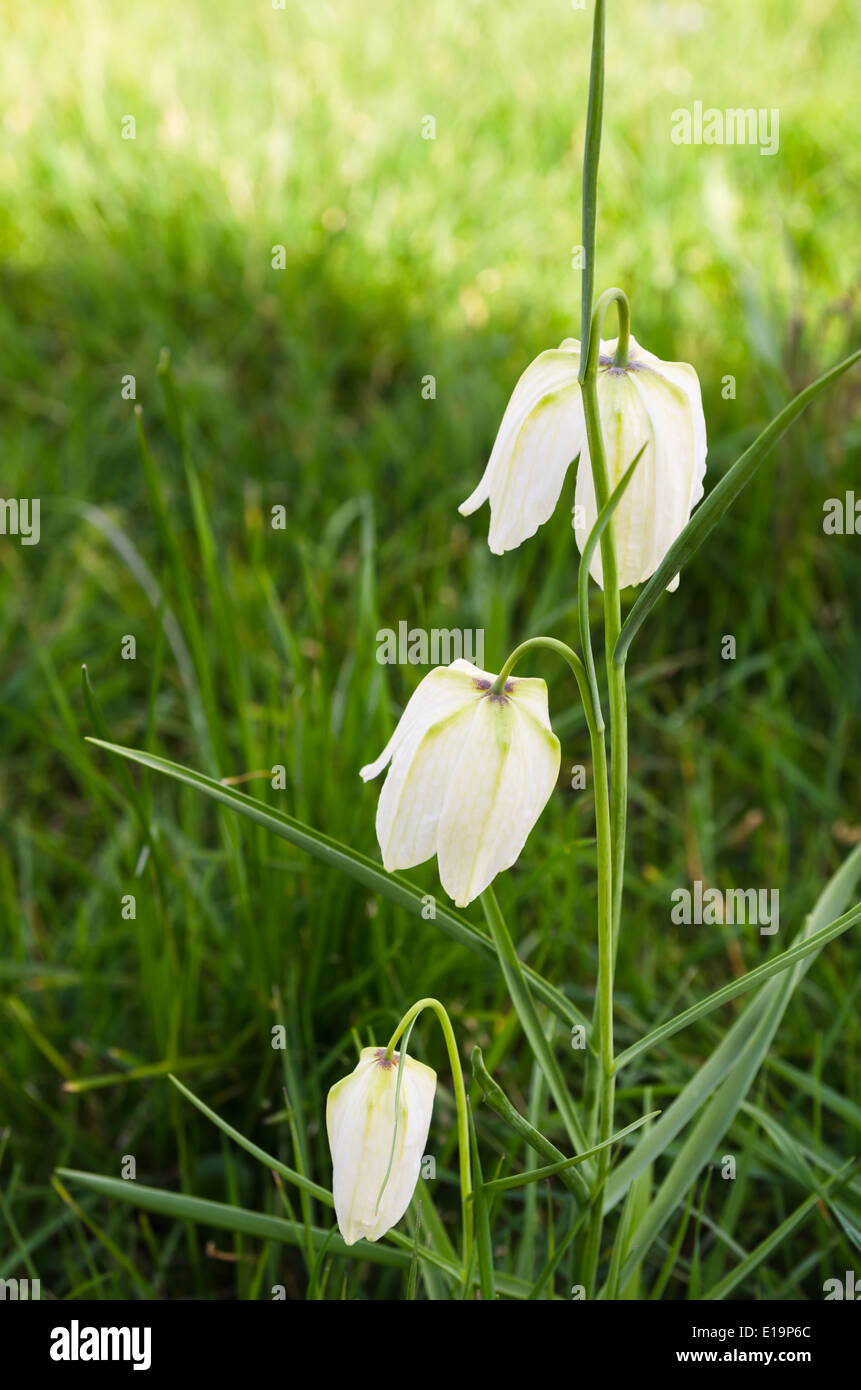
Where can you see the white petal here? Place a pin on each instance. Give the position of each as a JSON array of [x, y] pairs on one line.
[[682, 374], [423, 749], [414, 791], [540, 436], [506, 773], [530, 694], [675, 464], [440, 692], [658, 404], [626, 428]]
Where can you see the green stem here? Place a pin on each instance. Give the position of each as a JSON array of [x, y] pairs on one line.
[[589, 359], [612, 603], [591, 155], [603, 1017], [604, 1002], [463, 1139], [610, 820], [567, 653]]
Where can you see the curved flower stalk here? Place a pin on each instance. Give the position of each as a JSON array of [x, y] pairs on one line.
[[377, 1132], [642, 401], [473, 763]]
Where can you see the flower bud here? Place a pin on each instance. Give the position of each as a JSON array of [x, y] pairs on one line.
[[360, 1121], [471, 771]]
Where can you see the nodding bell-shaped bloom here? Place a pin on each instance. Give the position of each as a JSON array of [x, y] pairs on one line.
[[543, 430], [360, 1121], [471, 771]]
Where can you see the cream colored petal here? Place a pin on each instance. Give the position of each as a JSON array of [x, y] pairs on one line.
[[504, 778], [626, 428], [435, 697], [422, 755], [669, 411], [411, 801], [529, 693], [539, 437], [685, 378], [657, 403], [683, 375]]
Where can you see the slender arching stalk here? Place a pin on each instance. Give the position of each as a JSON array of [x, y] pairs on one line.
[[463, 1136], [568, 654]]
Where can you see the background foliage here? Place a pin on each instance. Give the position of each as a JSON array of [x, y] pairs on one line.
[[405, 257]]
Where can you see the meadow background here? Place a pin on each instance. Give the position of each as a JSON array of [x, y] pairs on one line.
[[404, 257]]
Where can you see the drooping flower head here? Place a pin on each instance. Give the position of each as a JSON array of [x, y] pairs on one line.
[[543, 431], [360, 1122], [471, 770]]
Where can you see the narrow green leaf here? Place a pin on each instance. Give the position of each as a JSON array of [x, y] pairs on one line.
[[754, 977], [720, 499], [313, 1189], [767, 1247], [551, 1169], [526, 1011], [735, 1061], [498, 1101], [182, 1207], [348, 861]]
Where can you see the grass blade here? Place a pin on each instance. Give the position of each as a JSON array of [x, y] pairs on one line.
[[526, 1011], [313, 1189], [770, 1244], [757, 976], [720, 499], [550, 1171], [483, 1241], [346, 860], [181, 1207], [737, 1058]]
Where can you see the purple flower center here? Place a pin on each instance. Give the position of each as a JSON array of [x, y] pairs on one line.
[[497, 698], [612, 370], [386, 1062]]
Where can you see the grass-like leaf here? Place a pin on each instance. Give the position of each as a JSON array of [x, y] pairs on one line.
[[771, 1243], [346, 860], [720, 1086], [551, 1169], [734, 1064], [720, 499], [750, 980], [182, 1207]]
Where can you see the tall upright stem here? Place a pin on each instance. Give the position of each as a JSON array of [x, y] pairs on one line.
[[592, 153], [609, 915]]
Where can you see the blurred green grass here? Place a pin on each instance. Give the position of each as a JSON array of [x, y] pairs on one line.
[[404, 257]]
